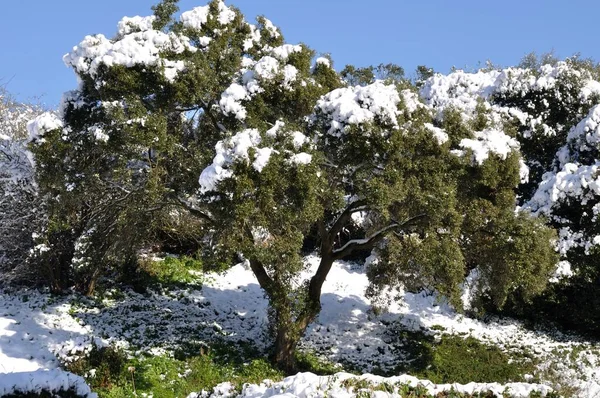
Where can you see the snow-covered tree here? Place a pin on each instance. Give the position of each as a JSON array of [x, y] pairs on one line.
[[268, 145], [553, 111], [20, 208]]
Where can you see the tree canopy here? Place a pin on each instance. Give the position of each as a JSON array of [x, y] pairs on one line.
[[270, 149]]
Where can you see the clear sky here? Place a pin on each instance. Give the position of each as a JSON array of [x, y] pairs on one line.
[[437, 33]]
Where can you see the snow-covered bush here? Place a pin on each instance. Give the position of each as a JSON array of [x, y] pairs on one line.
[[44, 383], [21, 210], [553, 112]]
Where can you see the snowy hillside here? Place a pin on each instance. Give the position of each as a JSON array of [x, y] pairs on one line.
[[39, 331]]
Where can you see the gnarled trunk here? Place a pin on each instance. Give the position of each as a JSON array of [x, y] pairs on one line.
[[290, 330]]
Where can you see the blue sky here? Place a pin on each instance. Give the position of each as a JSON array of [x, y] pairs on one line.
[[437, 33]]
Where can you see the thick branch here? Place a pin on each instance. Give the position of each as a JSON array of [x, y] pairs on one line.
[[369, 243], [345, 218], [264, 280]]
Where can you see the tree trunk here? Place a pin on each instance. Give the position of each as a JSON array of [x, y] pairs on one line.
[[289, 330], [285, 348]]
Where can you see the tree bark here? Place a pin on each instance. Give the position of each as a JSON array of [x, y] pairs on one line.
[[285, 348], [290, 331]]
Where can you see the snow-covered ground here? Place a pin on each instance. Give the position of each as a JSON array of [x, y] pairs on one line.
[[38, 331], [345, 385]]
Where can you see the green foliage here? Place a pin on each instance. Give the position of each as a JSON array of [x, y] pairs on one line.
[[163, 12], [366, 389], [163, 376], [108, 364], [310, 362], [446, 358], [455, 359], [390, 73], [172, 271]]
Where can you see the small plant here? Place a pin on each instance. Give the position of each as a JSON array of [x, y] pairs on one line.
[[173, 270], [102, 367], [309, 362]]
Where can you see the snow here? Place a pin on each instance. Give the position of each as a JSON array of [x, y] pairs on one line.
[[283, 52], [290, 72], [323, 61], [272, 132], [98, 133], [129, 25], [489, 142], [586, 134], [198, 17], [262, 158], [254, 75], [301, 158], [573, 181], [228, 151], [439, 134], [358, 105], [271, 29], [232, 306], [339, 385], [459, 90], [230, 101], [266, 67], [237, 149], [298, 139], [563, 270], [140, 46], [53, 381], [42, 124]]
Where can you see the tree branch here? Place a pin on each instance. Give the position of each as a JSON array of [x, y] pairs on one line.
[[345, 218], [193, 210], [370, 242], [264, 280]]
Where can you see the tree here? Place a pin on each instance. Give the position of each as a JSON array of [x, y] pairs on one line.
[[21, 211], [216, 117], [553, 108]]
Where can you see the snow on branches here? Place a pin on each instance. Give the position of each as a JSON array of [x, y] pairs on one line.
[[551, 114], [20, 208], [251, 147]]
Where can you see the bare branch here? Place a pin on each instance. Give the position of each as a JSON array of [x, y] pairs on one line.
[[194, 210], [345, 217], [368, 243]]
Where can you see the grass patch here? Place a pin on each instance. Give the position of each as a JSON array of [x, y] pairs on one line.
[[362, 388], [167, 272], [111, 374], [174, 270], [457, 359], [463, 360], [307, 361]]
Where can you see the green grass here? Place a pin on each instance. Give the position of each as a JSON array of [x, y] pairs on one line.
[[168, 272], [309, 362], [366, 389], [174, 270], [117, 376], [463, 360], [458, 359]]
